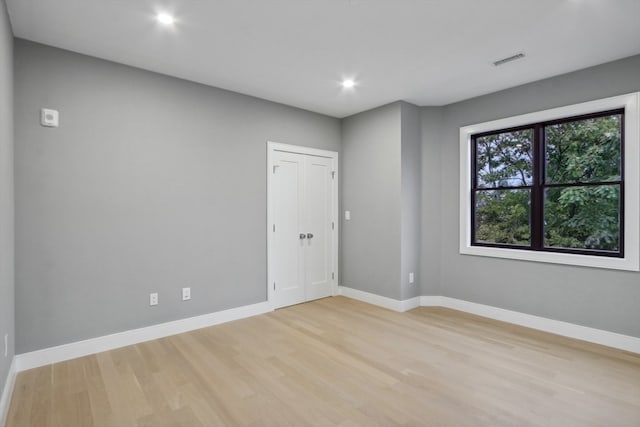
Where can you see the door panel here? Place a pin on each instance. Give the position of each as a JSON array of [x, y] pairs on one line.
[[318, 207], [288, 262]]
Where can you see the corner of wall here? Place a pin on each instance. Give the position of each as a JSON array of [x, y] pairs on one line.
[[411, 188], [431, 194]]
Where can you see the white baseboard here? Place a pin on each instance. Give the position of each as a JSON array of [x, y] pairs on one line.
[[7, 392], [380, 301], [410, 304], [558, 327], [430, 301], [570, 330], [74, 350]]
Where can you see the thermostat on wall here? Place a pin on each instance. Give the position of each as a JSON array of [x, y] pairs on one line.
[[49, 118]]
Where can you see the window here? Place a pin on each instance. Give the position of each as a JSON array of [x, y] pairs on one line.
[[554, 186]]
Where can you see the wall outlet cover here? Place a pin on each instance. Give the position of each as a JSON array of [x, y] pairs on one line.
[[49, 118]]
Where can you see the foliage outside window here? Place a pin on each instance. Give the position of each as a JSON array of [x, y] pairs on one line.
[[555, 186]]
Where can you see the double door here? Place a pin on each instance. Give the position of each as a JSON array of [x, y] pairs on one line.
[[303, 229]]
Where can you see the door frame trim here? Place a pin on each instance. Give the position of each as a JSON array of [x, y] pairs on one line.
[[272, 147]]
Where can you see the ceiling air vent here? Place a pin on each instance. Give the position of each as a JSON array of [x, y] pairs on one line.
[[511, 58]]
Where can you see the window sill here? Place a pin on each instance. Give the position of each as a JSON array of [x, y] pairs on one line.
[[554, 258]]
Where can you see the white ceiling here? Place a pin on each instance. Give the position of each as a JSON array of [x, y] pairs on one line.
[[428, 52]]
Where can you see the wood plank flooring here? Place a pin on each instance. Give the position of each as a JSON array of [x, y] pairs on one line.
[[340, 362]]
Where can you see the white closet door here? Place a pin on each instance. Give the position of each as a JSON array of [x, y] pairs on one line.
[[288, 212], [317, 220], [302, 235]]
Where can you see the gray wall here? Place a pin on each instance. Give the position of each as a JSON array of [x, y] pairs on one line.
[[6, 193], [153, 183], [149, 184], [604, 299], [371, 183], [431, 253], [382, 189], [411, 199]]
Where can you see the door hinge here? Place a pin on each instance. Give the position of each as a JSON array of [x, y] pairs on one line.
[[333, 276], [274, 168], [333, 174], [333, 225], [274, 228], [274, 286]]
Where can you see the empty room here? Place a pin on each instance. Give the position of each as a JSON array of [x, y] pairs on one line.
[[333, 213]]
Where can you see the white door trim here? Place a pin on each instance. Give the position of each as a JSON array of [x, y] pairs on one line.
[[277, 146]]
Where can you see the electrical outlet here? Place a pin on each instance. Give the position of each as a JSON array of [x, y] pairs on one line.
[[186, 294], [411, 278], [153, 298], [6, 345], [49, 118]]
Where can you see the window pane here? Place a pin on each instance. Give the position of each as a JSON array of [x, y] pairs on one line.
[[583, 217], [502, 216], [584, 150], [504, 159]]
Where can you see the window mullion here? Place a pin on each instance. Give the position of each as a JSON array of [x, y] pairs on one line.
[[537, 191]]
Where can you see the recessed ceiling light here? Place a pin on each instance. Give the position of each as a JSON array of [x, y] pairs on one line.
[[165, 19], [348, 84]]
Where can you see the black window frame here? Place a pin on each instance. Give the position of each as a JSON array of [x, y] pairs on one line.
[[539, 185]]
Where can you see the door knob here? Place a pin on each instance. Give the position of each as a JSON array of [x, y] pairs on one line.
[[302, 235], [309, 235]]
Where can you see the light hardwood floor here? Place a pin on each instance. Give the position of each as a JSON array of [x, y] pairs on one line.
[[340, 362]]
